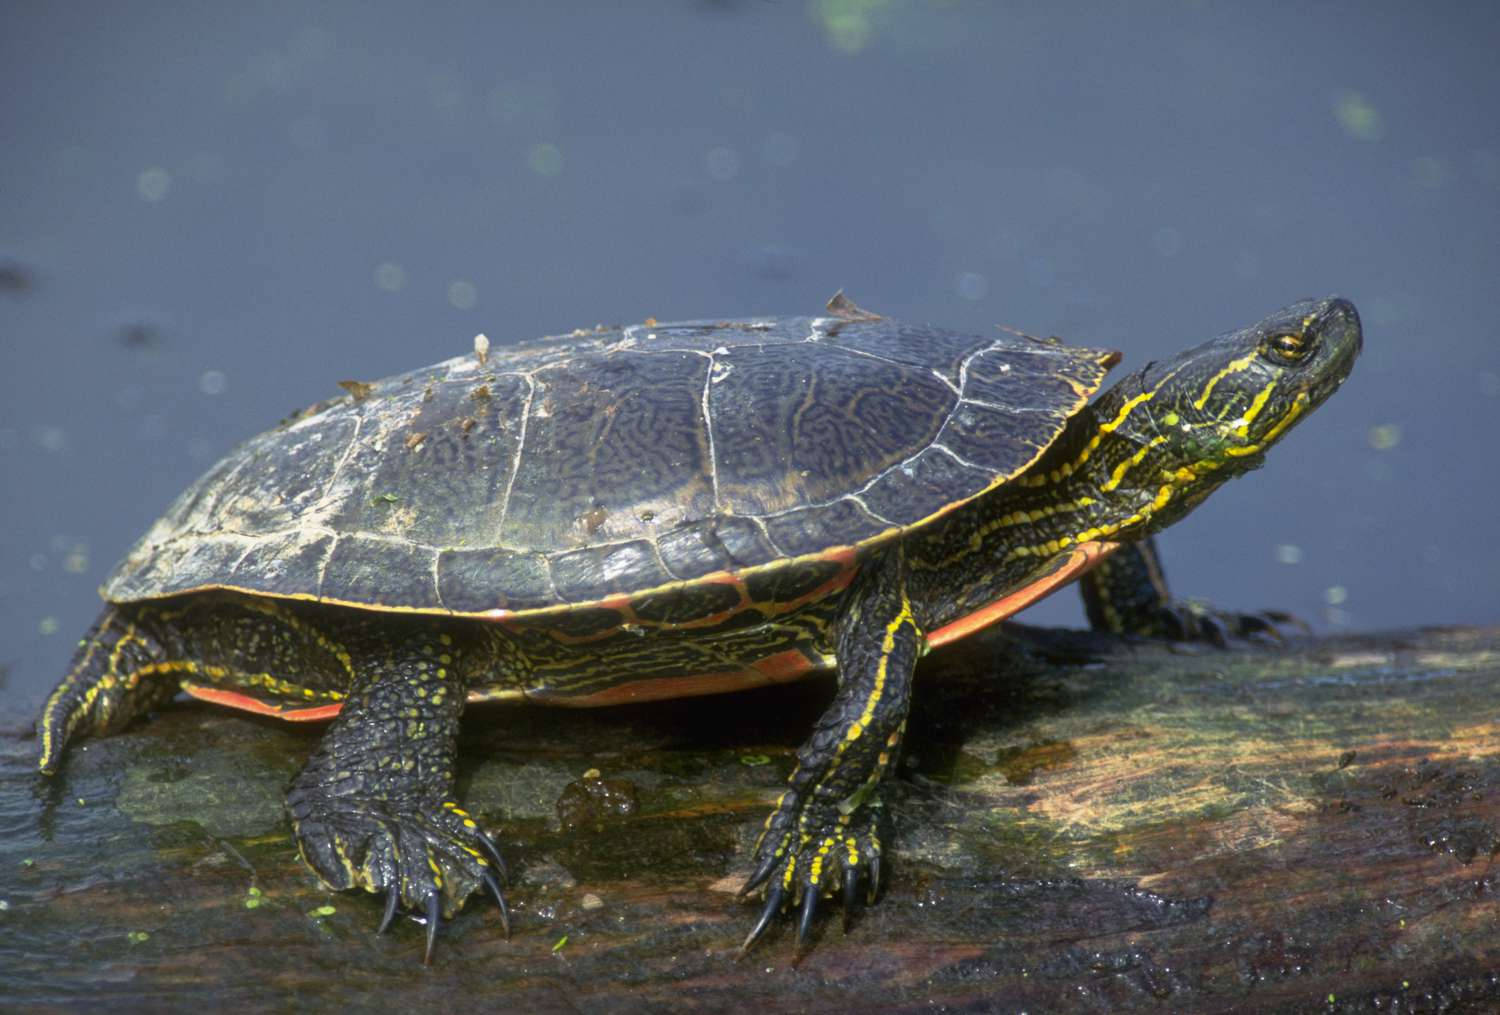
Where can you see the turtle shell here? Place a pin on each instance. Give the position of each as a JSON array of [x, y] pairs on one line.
[[615, 461]]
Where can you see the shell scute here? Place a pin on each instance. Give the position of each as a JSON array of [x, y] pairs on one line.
[[976, 430], [922, 486], [601, 441], [794, 428], [921, 346]]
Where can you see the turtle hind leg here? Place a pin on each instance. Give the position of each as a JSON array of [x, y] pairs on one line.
[[1128, 594], [823, 838], [374, 807], [119, 672]]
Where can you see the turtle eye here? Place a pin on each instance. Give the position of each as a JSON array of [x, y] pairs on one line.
[[1286, 347]]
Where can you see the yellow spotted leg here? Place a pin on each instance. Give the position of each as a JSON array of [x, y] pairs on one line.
[[824, 832]]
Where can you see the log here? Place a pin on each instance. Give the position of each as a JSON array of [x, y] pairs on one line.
[[1079, 824]]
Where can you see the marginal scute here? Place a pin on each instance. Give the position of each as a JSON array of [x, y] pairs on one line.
[[582, 575], [495, 578], [695, 549], [292, 561], [380, 572], [1035, 377], [744, 542], [798, 534], [612, 462]]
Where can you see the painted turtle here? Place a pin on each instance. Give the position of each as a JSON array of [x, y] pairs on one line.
[[667, 510]]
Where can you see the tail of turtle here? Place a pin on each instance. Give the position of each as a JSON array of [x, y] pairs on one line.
[[109, 683]]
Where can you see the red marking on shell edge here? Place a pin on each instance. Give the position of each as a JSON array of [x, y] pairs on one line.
[[245, 703], [1084, 557]]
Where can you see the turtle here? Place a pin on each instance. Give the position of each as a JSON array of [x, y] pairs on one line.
[[629, 514]]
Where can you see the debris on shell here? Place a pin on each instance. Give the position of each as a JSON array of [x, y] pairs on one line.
[[359, 389], [843, 307], [481, 348]]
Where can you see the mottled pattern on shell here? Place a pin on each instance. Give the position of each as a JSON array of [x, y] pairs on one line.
[[609, 462]]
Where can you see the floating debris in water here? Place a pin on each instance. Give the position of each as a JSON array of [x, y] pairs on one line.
[[1385, 436]]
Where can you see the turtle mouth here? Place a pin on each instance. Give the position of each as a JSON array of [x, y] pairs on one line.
[[1340, 321]]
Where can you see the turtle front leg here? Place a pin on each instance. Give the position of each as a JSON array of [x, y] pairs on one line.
[[1127, 594], [824, 832], [374, 807]]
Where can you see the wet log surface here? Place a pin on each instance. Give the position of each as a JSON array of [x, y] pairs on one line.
[[1080, 824]]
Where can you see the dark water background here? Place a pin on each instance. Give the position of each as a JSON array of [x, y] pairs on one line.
[[209, 214]]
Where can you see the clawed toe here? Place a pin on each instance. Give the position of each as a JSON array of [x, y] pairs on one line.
[[799, 871], [426, 860], [1188, 621]]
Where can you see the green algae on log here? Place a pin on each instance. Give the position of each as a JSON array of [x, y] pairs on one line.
[[1080, 823]]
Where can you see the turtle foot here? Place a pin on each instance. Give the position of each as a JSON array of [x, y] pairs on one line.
[[427, 856], [801, 860], [1187, 620]]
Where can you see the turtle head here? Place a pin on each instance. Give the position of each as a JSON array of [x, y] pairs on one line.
[[1223, 403], [1212, 412]]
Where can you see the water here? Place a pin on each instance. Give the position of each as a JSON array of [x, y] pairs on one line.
[[212, 215]]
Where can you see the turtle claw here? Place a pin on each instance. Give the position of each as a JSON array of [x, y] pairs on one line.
[[805, 919], [434, 920], [392, 897], [493, 852], [493, 884], [851, 895], [762, 871], [803, 860], [774, 898], [427, 857]]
